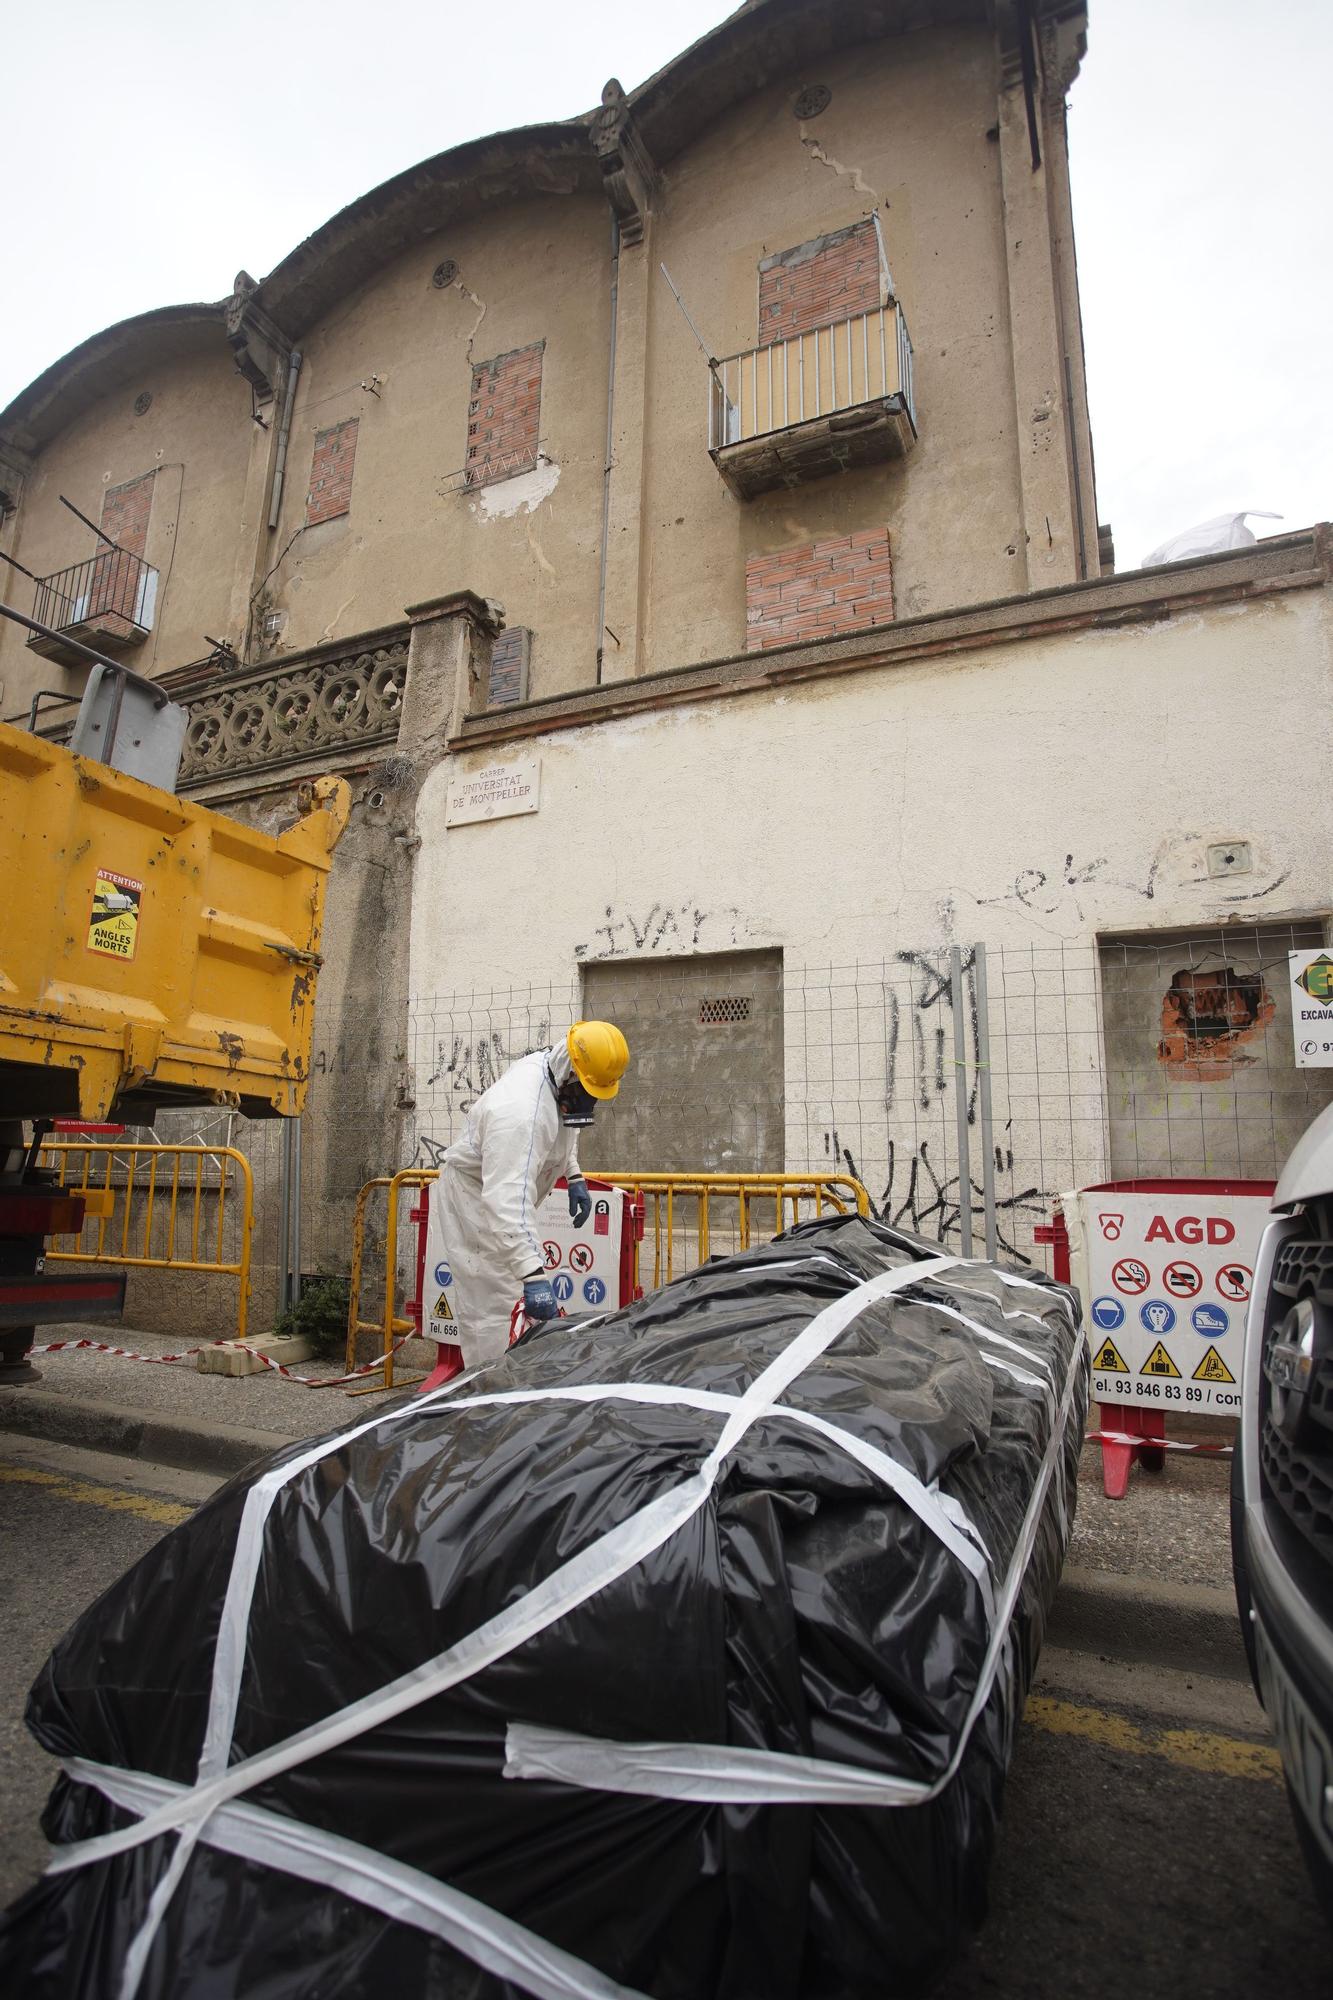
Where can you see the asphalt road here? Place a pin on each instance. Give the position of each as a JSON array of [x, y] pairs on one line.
[[1145, 1845]]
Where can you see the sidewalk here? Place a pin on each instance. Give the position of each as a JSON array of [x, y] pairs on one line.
[[173, 1414]]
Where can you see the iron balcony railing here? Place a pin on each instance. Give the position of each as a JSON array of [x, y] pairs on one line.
[[842, 366], [113, 590]]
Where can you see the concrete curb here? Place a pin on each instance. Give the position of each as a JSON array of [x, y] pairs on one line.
[[197, 1446], [1188, 1626]]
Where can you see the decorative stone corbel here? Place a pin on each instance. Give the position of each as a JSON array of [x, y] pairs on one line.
[[258, 344], [628, 176]]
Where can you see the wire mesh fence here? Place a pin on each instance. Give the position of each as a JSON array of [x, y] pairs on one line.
[[955, 1085]]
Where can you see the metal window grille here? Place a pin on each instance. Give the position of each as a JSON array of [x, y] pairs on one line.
[[716, 1013], [511, 656]]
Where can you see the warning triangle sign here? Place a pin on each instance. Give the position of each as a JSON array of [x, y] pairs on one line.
[[1213, 1368], [442, 1308], [1109, 1358], [1159, 1362]]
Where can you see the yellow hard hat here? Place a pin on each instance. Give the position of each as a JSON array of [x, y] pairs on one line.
[[600, 1055]]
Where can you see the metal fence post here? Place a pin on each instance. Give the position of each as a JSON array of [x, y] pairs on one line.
[[289, 1197], [294, 1235], [960, 1099], [983, 1094]]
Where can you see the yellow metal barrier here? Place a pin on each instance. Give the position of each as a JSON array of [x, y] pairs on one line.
[[172, 1231], [390, 1325], [669, 1201], [702, 1195]]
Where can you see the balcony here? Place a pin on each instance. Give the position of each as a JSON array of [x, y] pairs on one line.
[[106, 602], [826, 401]]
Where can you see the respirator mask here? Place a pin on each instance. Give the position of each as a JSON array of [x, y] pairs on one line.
[[576, 1104]]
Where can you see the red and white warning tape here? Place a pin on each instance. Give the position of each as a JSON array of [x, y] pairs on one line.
[[275, 1367], [1155, 1444], [121, 1353]]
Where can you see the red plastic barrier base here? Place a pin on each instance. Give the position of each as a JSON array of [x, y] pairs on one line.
[[448, 1363], [1128, 1423]]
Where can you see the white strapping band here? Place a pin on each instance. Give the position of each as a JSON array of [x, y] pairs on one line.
[[721, 1774], [390, 1888]]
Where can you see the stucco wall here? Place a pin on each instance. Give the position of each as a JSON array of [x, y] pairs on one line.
[[413, 530], [196, 436], [922, 803], [1032, 796]]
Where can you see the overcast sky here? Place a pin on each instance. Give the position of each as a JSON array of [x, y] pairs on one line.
[[157, 147]]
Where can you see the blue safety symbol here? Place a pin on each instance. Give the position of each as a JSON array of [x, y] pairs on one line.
[[594, 1290], [1108, 1313], [1158, 1316], [1209, 1320], [563, 1286], [443, 1275]]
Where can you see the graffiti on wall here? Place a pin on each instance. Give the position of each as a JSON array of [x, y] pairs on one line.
[[930, 1030], [465, 1065], [921, 1190], [635, 932], [927, 1199], [1058, 889]]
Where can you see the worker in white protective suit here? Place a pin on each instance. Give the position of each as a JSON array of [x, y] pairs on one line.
[[522, 1135]]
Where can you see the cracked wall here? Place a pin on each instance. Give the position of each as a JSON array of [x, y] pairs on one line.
[[862, 825], [193, 440], [417, 526], [907, 133]]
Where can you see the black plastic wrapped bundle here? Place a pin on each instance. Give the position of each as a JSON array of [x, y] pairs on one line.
[[689, 1662]]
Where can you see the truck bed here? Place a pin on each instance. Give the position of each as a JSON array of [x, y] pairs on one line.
[[154, 952]]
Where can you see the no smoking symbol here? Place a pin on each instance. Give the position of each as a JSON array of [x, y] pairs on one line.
[[1129, 1276]]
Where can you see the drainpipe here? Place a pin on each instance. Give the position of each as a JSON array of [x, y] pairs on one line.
[[610, 438], [284, 432]]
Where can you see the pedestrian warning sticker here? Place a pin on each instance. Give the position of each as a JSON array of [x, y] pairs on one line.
[[113, 926], [1159, 1362], [443, 1310], [1109, 1358], [1213, 1368]]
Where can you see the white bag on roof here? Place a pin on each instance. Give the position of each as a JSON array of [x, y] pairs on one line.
[[1210, 538]]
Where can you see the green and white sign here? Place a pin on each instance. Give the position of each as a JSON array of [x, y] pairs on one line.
[[1311, 982]]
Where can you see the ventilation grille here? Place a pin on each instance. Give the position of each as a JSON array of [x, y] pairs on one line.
[[717, 1013]]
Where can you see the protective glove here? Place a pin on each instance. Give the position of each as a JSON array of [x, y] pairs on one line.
[[580, 1201], [539, 1300]]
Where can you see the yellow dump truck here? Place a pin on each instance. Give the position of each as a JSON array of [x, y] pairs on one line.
[[153, 953]]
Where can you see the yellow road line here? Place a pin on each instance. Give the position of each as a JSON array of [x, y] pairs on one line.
[[165, 1513], [1194, 1749]]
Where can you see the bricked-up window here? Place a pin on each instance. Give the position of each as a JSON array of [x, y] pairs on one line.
[[818, 590], [830, 278], [331, 472], [125, 512], [120, 590], [503, 413], [510, 656]]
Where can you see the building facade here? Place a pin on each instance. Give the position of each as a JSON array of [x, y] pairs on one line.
[[710, 478]]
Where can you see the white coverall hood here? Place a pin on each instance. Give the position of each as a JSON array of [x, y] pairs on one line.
[[492, 1183]]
